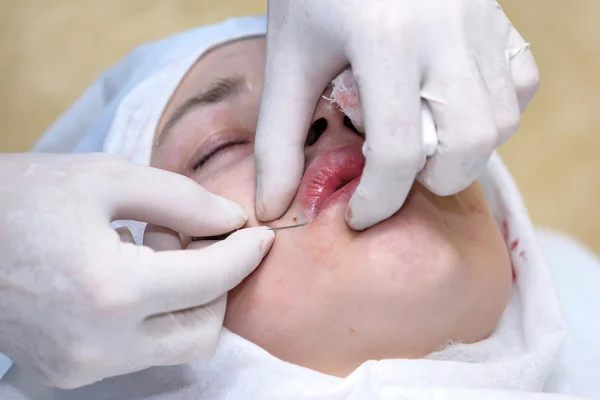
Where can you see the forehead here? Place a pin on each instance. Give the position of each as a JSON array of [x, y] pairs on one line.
[[243, 57]]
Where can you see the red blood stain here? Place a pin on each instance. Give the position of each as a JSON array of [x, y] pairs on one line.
[[523, 255], [294, 219], [514, 244]]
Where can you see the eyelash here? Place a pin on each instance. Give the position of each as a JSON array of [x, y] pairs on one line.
[[200, 163]]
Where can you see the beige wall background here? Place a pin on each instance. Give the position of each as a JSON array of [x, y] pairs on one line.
[[50, 50]]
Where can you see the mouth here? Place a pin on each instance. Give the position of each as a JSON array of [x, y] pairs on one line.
[[330, 179]]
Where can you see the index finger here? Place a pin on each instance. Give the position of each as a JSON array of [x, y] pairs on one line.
[[291, 91], [128, 191]]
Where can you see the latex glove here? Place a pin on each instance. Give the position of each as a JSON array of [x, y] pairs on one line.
[[76, 303], [462, 56]]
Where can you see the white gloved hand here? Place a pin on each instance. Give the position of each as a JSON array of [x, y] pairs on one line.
[[463, 57], [76, 303]]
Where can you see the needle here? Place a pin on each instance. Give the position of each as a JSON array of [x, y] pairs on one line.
[[224, 236], [288, 226]]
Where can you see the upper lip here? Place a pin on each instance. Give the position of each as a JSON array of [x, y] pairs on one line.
[[328, 173]]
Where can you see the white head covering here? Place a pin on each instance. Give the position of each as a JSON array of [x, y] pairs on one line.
[[515, 362]]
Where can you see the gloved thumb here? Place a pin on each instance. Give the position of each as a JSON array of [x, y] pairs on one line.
[[182, 279]]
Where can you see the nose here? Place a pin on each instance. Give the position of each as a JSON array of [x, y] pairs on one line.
[[330, 123]]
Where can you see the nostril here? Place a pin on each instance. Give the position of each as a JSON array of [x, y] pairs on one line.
[[316, 130], [348, 124]]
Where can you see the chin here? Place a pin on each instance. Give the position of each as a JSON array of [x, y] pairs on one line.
[[329, 298]]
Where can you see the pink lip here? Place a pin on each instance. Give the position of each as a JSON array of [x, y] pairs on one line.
[[331, 178]]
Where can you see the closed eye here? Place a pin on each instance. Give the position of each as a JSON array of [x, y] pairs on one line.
[[223, 146]]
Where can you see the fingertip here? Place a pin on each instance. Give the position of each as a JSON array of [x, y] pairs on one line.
[[349, 214], [440, 183], [261, 210], [263, 235], [427, 177], [237, 213], [267, 238], [354, 216], [271, 206], [353, 222], [269, 210]]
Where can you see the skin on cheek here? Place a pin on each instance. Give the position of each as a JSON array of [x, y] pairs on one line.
[[477, 207], [376, 265], [269, 287], [235, 182], [467, 219], [325, 250], [413, 247], [244, 300]]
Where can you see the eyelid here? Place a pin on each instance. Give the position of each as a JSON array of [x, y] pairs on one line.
[[217, 143]]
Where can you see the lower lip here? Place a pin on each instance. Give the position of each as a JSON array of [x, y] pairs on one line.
[[342, 195]]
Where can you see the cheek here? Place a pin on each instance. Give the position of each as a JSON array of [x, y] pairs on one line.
[[236, 183], [412, 253]]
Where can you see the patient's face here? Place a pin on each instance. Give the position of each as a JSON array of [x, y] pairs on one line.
[[327, 297]]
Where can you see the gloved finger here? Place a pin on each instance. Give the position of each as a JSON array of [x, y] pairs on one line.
[[199, 244], [466, 128], [523, 69], [159, 238], [290, 95], [177, 280], [183, 336], [502, 96], [166, 199], [125, 234], [393, 147]]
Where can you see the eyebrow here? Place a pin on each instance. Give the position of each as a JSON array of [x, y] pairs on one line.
[[223, 89]]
